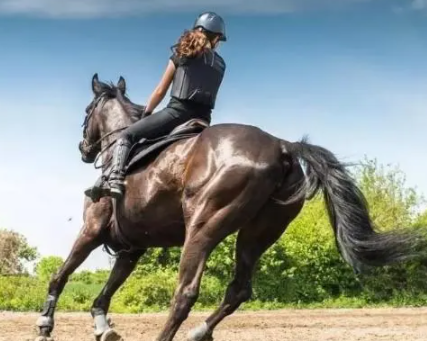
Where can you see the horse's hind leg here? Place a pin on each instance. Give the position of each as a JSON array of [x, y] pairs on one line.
[[90, 237], [123, 267], [213, 213], [252, 242], [194, 255]]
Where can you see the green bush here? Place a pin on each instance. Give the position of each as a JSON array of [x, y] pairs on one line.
[[47, 267], [21, 293]]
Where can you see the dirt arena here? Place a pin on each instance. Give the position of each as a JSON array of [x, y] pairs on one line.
[[295, 325]]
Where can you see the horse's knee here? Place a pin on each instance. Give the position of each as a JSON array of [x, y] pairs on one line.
[[189, 297], [191, 292], [184, 301], [240, 292], [246, 293]]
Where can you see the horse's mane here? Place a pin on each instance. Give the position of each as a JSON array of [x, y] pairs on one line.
[[112, 91]]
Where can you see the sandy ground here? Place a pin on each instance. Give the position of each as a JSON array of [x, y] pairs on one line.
[[299, 325]]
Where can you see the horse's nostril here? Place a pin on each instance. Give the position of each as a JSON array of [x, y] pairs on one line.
[[88, 154]]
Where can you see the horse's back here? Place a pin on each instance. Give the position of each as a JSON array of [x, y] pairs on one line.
[[232, 150], [239, 145]]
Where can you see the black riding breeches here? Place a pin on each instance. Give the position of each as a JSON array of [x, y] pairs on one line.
[[155, 125]]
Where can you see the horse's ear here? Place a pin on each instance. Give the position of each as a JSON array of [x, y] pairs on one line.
[[96, 86], [121, 85]]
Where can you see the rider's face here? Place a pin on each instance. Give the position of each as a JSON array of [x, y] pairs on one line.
[[216, 43]]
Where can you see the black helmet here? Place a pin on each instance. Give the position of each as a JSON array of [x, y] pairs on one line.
[[211, 22]]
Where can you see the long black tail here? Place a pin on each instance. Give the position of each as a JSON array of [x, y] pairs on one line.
[[358, 242]]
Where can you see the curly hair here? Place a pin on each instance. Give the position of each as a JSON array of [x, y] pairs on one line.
[[193, 43]]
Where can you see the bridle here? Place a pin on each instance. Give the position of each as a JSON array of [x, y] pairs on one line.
[[89, 147]]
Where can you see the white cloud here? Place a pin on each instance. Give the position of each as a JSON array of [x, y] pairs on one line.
[[419, 4], [101, 8], [412, 5]]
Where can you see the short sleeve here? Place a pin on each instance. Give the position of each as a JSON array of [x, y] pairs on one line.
[[222, 60], [175, 59]]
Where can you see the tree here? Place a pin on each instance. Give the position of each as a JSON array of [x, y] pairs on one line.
[[14, 252], [392, 204], [421, 220], [48, 266]]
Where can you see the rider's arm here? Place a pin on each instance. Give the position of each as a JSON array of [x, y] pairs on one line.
[[161, 89]]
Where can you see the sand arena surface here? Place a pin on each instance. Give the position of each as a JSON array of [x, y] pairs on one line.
[[409, 324]]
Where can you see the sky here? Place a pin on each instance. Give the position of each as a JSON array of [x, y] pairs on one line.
[[351, 74]]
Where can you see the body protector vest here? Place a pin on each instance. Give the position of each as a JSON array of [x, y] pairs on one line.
[[198, 79]]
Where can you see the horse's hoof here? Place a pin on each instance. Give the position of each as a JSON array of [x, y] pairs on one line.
[[110, 335], [207, 337], [43, 338]]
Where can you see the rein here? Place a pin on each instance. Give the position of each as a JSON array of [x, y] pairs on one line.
[[99, 141]]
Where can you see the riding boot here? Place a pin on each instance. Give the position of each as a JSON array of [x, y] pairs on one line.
[[117, 177]]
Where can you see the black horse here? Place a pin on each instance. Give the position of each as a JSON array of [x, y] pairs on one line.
[[196, 191]]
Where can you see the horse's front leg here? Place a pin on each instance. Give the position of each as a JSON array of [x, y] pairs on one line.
[[83, 246], [90, 237], [123, 267]]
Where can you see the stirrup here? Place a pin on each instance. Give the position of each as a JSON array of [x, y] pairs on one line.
[[96, 193], [99, 190]]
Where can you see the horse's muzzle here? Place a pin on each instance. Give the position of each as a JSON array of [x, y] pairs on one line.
[[88, 154]]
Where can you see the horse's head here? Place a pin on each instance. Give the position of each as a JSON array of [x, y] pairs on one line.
[[110, 111]]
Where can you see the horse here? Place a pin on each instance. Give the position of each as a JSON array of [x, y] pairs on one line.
[[197, 190]]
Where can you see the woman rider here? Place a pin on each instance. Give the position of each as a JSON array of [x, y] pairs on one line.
[[196, 71]]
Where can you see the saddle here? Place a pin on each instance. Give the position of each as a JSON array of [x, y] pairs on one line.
[[145, 149]]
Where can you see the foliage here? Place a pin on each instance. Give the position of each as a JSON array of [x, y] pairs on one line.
[[14, 252], [391, 203], [421, 220], [302, 269], [48, 266]]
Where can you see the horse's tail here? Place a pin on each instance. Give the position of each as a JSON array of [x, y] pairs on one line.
[[357, 241]]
